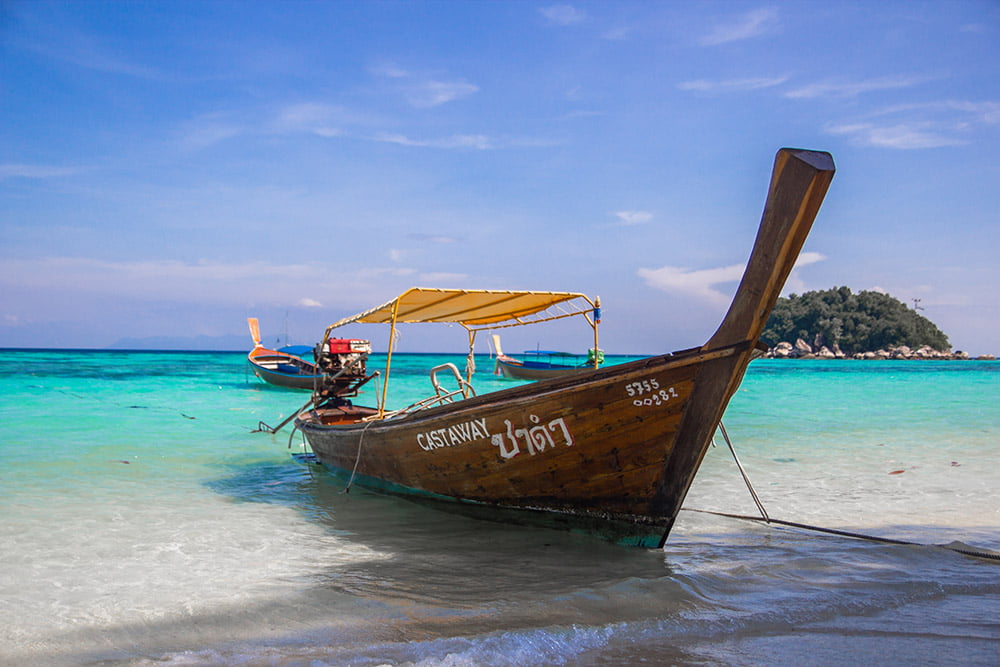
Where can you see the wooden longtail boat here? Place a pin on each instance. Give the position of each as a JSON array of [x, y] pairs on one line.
[[283, 367], [610, 451], [544, 364]]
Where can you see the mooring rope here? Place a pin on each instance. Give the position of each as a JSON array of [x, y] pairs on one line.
[[844, 533], [357, 458], [746, 479], [832, 531]]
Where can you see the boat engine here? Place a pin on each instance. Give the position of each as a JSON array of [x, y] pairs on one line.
[[342, 362]]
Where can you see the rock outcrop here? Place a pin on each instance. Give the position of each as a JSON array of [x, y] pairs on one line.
[[803, 350]]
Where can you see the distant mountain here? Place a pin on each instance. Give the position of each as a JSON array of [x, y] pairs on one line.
[[208, 343]]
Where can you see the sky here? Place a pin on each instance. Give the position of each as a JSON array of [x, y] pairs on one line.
[[168, 169]]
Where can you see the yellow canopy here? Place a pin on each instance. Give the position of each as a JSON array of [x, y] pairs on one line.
[[475, 308]]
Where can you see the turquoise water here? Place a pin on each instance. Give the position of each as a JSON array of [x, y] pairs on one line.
[[142, 522]]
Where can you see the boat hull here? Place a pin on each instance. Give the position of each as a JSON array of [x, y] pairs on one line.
[[283, 370], [518, 371], [596, 452]]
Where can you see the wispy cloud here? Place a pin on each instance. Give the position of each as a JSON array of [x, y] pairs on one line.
[[473, 141], [633, 217], [920, 125], [208, 130], [432, 238], [698, 284], [795, 283], [732, 85], [617, 33], [746, 26], [563, 14], [701, 284], [854, 88], [205, 282], [424, 91], [310, 117], [83, 50], [426, 94], [96, 272], [987, 113], [903, 136], [36, 171]]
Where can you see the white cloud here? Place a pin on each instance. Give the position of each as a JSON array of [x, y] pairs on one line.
[[427, 94], [902, 136], [432, 238], [563, 14], [732, 85], [203, 282], [795, 284], [618, 33], [633, 217], [311, 117], [986, 112], [306, 302], [208, 130], [701, 284], [752, 24], [473, 141], [697, 284], [389, 70], [853, 88], [421, 91], [807, 258], [36, 171]]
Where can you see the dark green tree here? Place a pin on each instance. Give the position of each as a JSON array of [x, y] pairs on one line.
[[861, 322]]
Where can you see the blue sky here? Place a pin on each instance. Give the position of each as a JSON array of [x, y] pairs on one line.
[[168, 169]]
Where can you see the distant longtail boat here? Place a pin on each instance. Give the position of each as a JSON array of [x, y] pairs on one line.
[[284, 367]]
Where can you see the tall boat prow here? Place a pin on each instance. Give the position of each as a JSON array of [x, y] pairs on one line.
[[799, 182], [610, 451]]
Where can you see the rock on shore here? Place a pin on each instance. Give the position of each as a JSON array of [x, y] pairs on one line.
[[803, 350]]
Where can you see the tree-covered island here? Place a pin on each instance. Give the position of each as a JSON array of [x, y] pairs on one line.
[[837, 323]]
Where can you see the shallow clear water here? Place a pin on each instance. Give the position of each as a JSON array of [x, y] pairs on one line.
[[141, 522]]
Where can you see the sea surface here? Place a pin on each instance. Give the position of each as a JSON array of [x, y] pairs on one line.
[[143, 522]]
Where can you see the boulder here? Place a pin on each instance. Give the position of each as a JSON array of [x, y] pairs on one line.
[[783, 351], [802, 347]]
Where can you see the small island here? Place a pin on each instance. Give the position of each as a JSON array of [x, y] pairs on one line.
[[839, 324]]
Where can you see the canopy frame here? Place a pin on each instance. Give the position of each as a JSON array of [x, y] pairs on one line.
[[474, 310]]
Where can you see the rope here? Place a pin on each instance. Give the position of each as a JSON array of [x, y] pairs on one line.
[[746, 479], [357, 458], [844, 533]]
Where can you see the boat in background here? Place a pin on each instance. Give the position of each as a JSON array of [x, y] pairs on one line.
[[543, 364], [284, 367], [609, 451]]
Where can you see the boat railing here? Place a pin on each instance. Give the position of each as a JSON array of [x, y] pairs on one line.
[[441, 395], [464, 388]]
